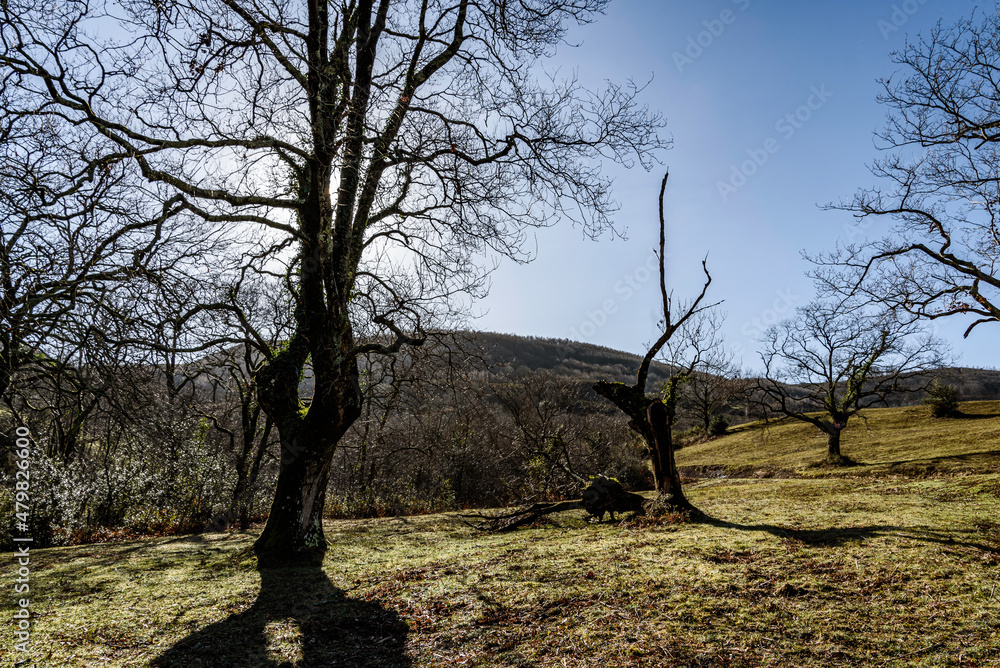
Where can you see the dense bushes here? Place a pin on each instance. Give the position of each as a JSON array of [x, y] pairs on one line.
[[161, 466], [479, 442], [135, 489]]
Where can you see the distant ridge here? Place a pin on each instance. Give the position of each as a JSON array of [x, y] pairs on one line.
[[586, 363], [573, 359], [590, 362]]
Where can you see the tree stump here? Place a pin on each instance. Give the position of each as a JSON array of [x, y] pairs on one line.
[[604, 495]]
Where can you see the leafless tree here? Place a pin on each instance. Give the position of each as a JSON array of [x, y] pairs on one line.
[[371, 150], [703, 378], [652, 417], [419, 434], [834, 359], [551, 427], [235, 413], [942, 183], [77, 249], [710, 393]]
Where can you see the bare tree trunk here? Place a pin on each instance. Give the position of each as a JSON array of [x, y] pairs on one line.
[[833, 455], [650, 418], [236, 503], [246, 501], [293, 534], [668, 480], [294, 530]]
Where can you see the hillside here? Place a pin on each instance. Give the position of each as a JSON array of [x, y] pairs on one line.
[[885, 441], [572, 359], [585, 361], [896, 565]]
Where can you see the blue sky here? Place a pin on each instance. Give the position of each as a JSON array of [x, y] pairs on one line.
[[726, 74]]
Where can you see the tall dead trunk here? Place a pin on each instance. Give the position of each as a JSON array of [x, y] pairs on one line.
[[668, 480], [650, 418]]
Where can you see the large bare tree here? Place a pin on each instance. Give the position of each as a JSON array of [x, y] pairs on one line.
[[941, 183], [367, 152]]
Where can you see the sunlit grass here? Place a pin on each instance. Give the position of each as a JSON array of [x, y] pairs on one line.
[[884, 441], [883, 569]]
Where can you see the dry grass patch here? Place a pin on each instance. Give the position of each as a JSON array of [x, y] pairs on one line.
[[895, 562]]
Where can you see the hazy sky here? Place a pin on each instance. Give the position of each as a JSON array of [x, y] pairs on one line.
[[727, 74]]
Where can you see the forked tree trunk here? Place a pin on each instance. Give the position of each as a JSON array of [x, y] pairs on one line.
[[294, 530], [293, 534]]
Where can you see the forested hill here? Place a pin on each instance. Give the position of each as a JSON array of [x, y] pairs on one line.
[[573, 359], [586, 361], [974, 384]]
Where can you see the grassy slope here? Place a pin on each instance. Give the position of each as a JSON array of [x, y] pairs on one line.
[[890, 570], [884, 441]]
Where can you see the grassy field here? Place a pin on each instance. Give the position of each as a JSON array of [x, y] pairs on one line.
[[888, 441], [892, 563]]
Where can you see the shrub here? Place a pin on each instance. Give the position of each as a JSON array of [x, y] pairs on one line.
[[718, 426], [943, 400]]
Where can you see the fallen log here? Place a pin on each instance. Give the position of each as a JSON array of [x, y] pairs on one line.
[[601, 496]]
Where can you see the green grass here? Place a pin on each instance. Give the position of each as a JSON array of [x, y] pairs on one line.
[[887, 441], [896, 567]]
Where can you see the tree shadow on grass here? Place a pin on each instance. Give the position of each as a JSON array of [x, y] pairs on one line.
[[966, 458], [333, 630], [959, 415], [837, 536]]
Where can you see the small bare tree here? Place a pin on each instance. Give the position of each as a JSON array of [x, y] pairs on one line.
[[710, 392], [552, 427], [833, 360], [707, 379]]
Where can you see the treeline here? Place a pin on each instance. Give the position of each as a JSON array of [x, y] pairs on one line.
[[140, 449], [125, 449]]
